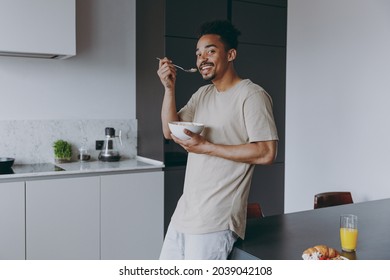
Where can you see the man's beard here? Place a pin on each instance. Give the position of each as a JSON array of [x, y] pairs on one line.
[[209, 78]]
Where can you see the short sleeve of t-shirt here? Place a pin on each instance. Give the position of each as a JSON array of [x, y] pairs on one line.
[[258, 116]]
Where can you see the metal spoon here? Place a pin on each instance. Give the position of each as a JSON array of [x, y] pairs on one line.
[[192, 70]]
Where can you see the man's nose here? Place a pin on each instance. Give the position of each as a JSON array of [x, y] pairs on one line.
[[202, 58]]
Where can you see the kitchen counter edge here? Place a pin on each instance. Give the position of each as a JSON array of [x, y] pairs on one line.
[[138, 164]]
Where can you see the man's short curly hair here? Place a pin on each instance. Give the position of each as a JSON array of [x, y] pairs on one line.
[[228, 33]]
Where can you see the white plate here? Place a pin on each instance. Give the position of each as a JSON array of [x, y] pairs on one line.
[[341, 258]]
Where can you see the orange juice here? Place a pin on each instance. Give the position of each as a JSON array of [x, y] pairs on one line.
[[348, 237]]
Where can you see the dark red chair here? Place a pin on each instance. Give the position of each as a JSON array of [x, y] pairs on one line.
[[254, 211], [328, 199]]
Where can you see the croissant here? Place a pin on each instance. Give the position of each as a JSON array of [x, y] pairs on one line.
[[320, 252]]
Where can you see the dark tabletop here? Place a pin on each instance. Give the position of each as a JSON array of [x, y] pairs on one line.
[[285, 237]]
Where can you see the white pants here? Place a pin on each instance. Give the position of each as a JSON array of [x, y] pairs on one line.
[[208, 246]]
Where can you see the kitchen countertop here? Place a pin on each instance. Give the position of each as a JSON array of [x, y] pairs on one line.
[[286, 236], [85, 168]]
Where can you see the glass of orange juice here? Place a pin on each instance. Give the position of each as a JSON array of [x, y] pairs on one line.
[[348, 232]]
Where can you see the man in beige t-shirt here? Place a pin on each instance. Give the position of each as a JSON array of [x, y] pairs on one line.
[[239, 133]]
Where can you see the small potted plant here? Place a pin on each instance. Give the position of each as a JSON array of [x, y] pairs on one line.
[[62, 151]]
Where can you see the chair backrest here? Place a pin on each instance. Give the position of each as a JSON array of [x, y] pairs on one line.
[[254, 211], [327, 199]]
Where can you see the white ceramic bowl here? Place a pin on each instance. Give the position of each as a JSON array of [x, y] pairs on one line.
[[177, 129]]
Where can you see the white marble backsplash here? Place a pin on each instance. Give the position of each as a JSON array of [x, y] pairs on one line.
[[31, 141]]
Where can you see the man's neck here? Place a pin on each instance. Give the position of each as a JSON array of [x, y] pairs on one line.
[[229, 80]]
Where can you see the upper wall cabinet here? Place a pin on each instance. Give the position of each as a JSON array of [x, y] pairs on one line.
[[260, 22], [183, 17], [38, 28]]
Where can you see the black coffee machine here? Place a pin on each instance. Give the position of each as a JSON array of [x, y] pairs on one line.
[[109, 151]]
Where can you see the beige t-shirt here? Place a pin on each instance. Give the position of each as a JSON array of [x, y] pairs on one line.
[[216, 190]]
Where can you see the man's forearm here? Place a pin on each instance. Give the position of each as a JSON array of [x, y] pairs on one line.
[[263, 153], [168, 112]]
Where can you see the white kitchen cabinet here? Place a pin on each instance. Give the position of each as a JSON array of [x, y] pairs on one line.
[[62, 218], [12, 227], [39, 28], [132, 214]]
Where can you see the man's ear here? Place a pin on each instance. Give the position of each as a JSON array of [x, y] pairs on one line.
[[232, 53]]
